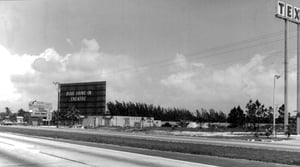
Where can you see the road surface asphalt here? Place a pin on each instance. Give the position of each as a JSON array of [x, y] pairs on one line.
[[20, 150]]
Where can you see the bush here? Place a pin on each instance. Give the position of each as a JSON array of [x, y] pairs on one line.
[[166, 125]]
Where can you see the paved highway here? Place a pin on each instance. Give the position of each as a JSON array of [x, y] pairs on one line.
[[18, 150], [283, 146], [277, 145]]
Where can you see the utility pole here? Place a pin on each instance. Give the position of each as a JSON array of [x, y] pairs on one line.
[[274, 131], [286, 121], [298, 79], [58, 100]]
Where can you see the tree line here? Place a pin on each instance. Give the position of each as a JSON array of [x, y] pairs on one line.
[[9, 115], [164, 114], [255, 112], [70, 116]]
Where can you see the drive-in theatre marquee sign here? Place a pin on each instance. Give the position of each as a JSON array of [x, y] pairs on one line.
[[87, 97], [287, 11]]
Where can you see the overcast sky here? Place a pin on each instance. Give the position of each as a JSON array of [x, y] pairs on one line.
[[176, 53]]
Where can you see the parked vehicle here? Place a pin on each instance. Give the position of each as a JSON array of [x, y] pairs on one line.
[[6, 122]]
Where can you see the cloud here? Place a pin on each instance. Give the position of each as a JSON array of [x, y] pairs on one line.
[[48, 62], [204, 86], [10, 24], [90, 45], [11, 64], [185, 84], [181, 61], [33, 79], [69, 41]]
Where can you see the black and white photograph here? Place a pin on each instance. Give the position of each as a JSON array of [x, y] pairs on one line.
[[149, 83]]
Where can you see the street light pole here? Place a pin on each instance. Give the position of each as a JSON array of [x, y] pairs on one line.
[[275, 77], [58, 99]]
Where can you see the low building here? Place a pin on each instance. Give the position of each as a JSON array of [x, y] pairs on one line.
[[120, 121], [20, 119]]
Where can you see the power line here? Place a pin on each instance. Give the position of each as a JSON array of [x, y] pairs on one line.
[[166, 64], [230, 62], [214, 49], [195, 56]]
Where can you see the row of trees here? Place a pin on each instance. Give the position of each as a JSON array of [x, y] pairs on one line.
[[72, 115], [164, 114], [8, 114], [210, 116], [254, 114]]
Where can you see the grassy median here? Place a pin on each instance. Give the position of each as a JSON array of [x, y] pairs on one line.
[[284, 157]]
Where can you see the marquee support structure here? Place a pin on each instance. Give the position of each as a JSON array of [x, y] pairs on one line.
[[298, 79], [290, 13], [286, 119]]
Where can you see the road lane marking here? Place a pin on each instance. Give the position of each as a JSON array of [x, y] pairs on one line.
[[68, 159], [123, 157]]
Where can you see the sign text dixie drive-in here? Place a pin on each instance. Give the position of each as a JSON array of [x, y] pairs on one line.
[[87, 97]]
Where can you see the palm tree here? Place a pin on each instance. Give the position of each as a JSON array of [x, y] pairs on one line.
[[8, 112], [73, 114]]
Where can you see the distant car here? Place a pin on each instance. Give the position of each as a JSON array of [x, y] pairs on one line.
[[77, 126], [193, 125], [7, 122]]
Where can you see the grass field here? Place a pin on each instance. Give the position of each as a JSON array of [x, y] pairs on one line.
[[284, 157]]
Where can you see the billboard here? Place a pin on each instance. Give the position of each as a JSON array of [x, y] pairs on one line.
[[87, 97], [41, 109]]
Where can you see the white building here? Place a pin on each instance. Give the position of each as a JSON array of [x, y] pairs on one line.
[[20, 119], [120, 121]]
